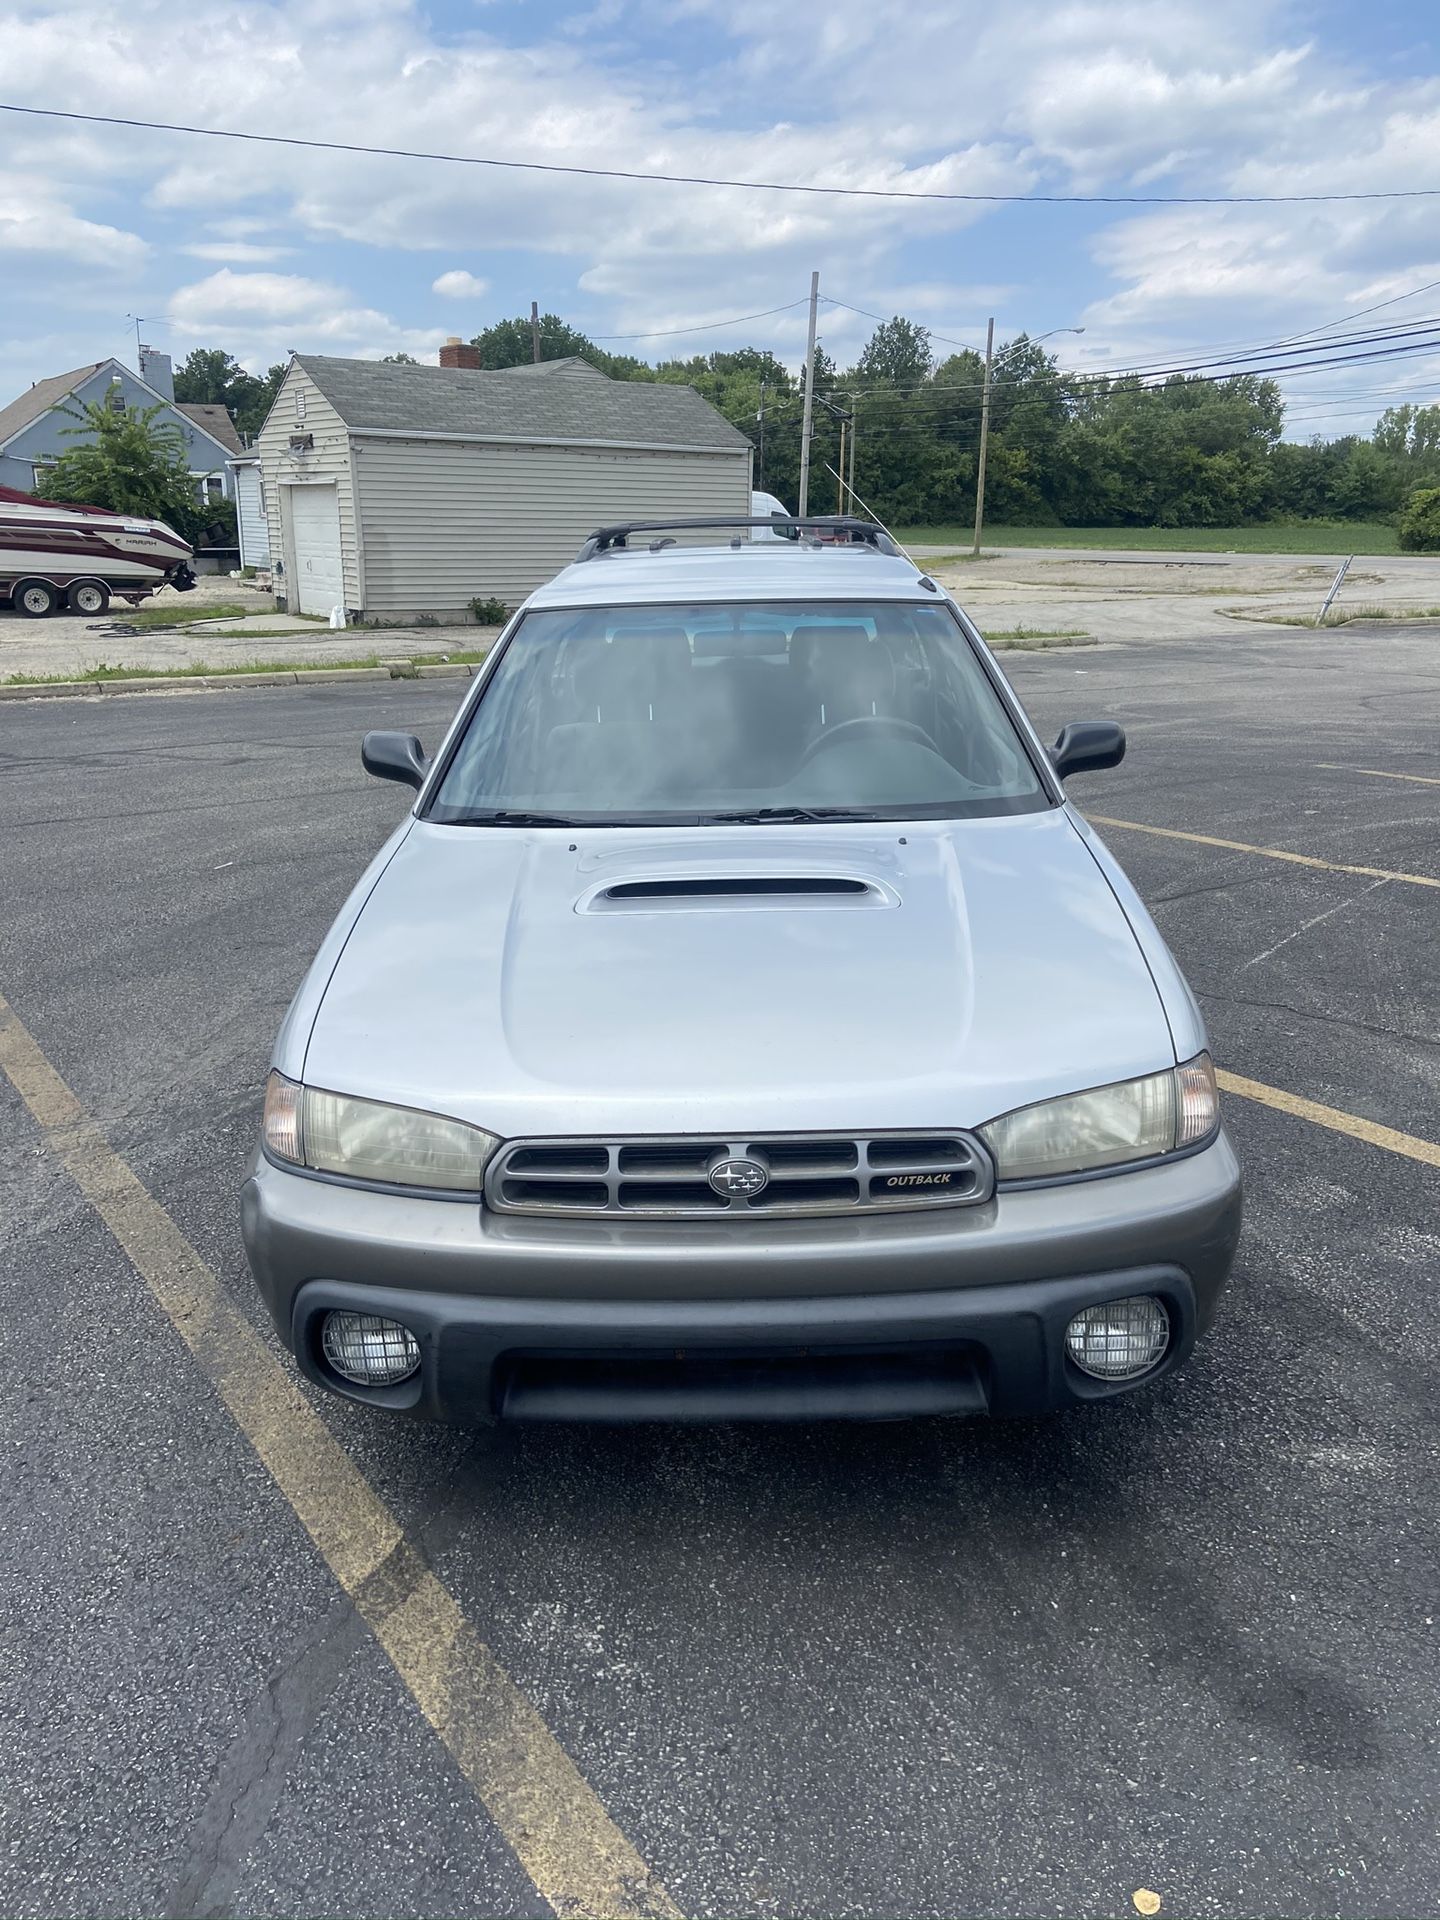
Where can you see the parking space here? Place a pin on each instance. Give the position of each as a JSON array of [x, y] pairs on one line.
[[1186, 1644]]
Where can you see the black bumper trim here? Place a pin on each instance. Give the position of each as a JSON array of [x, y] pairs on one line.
[[874, 1356]]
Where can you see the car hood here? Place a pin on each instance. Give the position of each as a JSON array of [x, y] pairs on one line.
[[493, 975]]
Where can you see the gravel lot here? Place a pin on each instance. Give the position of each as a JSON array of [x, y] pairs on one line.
[[1185, 1644]]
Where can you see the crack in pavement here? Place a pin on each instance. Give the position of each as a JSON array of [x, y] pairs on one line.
[[1324, 1019], [250, 1778]]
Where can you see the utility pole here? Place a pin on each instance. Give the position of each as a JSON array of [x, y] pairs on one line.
[[760, 416], [850, 478], [805, 426], [840, 474], [535, 331], [984, 436]]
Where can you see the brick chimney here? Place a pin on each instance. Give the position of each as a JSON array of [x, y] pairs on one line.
[[459, 353]]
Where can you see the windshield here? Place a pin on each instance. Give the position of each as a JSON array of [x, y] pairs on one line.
[[685, 715]]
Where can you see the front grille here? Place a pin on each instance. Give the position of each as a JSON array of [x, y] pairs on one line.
[[805, 1173]]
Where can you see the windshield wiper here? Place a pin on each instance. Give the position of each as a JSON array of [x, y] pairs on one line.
[[782, 816], [511, 817]]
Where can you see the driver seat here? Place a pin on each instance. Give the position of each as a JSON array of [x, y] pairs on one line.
[[846, 675]]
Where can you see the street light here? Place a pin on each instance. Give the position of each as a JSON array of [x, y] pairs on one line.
[[1037, 338], [985, 416]]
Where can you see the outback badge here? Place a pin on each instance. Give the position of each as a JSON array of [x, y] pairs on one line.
[[895, 1180]]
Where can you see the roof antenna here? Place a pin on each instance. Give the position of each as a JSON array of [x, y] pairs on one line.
[[874, 516]]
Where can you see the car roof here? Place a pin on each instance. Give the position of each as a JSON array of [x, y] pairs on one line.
[[753, 570]]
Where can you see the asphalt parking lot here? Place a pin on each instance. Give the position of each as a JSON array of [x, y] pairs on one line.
[[1184, 1645]]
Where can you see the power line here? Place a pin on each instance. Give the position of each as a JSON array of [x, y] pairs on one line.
[[884, 322], [944, 432], [1344, 319], [1377, 345], [1246, 350], [708, 180], [705, 326]]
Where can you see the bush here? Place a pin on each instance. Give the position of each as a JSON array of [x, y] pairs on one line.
[[490, 613], [1420, 522], [218, 525]]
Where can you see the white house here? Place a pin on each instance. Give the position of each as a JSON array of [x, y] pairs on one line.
[[251, 520], [395, 490]]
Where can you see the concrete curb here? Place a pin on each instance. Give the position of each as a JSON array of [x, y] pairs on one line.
[[213, 682], [1043, 643]]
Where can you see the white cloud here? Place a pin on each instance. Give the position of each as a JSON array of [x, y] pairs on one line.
[[269, 296], [459, 285], [237, 253], [260, 316], [34, 220]]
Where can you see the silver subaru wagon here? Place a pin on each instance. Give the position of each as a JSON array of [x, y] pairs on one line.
[[741, 1024]]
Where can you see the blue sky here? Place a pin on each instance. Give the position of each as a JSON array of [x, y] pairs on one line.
[[261, 250]]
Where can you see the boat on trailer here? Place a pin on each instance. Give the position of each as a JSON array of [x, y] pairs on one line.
[[54, 555]]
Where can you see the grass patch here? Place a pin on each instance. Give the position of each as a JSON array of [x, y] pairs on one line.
[[200, 669], [170, 616], [1004, 639], [144, 617], [1035, 633], [1305, 536], [1343, 616]]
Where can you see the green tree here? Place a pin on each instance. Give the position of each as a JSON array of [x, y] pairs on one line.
[[204, 377], [398, 360], [1409, 433], [897, 354], [208, 376], [130, 461], [1420, 522]]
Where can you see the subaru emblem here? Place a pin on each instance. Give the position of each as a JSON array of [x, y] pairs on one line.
[[739, 1179]]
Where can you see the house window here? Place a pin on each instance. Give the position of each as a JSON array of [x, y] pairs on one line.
[[209, 487]]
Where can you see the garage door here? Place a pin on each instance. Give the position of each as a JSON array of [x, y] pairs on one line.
[[315, 523]]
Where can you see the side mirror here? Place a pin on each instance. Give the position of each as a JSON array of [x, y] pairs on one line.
[[394, 756], [1086, 746]]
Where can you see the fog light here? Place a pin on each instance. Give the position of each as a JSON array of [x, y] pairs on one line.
[[1120, 1339], [369, 1351]]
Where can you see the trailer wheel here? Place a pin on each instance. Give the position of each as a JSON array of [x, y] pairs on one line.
[[88, 596], [35, 598]]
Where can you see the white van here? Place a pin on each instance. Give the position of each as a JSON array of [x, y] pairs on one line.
[[766, 503]]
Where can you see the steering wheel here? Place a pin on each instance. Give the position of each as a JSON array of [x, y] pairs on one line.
[[881, 722]]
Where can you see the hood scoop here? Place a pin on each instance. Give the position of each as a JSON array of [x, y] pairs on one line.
[[712, 892]]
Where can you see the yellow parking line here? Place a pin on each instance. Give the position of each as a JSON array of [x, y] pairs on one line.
[[1379, 773], [1269, 853], [551, 1817], [1413, 1148]]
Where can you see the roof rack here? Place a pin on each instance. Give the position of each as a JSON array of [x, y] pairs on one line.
[[862, 532]]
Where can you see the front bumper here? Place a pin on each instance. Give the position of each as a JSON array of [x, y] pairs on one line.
[[954, 1310]]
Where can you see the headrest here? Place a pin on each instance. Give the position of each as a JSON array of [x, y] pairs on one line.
[[842, 646]]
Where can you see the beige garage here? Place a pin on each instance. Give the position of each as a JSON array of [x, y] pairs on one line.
[[400, 490]]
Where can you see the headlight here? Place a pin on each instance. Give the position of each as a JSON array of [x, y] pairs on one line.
[[1108, 1126], [367, 1140]]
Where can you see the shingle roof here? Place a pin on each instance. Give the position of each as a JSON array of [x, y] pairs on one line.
[[572, 363], [457, 400], [215, 421], [40, 398]]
